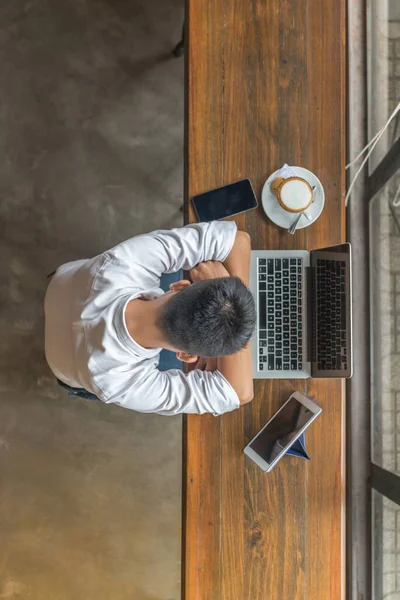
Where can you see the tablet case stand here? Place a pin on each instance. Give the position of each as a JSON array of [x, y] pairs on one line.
[[298, 448]]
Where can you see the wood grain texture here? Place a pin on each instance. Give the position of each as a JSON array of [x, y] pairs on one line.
[[265, 85]]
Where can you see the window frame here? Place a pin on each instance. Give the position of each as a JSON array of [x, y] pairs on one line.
[[363, 476]]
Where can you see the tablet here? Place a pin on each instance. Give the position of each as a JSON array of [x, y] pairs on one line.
[[285, 427]]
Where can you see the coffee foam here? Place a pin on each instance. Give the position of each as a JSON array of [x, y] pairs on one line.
[[295, 194]]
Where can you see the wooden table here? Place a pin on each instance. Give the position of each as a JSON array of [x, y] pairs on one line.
[[266, 85]]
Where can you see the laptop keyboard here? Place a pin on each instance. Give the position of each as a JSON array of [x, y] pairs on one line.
[[280, 314], [331, 315]]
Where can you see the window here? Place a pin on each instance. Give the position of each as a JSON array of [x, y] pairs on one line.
[[383, 194], [386, 547], [385, 325], [383, 25], [373, 459]]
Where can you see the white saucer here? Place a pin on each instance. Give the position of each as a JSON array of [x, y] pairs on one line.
[[282, 217]]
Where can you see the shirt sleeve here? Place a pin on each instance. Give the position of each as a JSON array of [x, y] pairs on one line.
[[183, 248], [173, 392]]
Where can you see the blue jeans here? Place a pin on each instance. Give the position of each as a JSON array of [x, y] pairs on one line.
[[168, 359]]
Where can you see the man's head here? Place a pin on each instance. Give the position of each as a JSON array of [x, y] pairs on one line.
[[214, 317]]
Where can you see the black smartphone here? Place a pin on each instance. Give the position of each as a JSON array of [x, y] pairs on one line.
[[225, 201]]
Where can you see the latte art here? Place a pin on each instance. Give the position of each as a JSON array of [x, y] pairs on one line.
[[294, 194]]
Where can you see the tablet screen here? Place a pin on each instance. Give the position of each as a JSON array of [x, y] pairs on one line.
[[278, 434]]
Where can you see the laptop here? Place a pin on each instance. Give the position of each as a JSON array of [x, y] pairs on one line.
[[303, 313]]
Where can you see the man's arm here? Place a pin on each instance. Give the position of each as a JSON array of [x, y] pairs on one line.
[[236, 368], [173, 392], [168, 251], [237, 262]]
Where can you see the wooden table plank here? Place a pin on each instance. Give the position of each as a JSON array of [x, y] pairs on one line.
[[266, 86], [203, 170]]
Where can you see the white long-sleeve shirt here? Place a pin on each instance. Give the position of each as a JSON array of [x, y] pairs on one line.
[[87, 342]]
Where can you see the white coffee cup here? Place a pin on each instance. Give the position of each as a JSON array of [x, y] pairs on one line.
[[294, 194]]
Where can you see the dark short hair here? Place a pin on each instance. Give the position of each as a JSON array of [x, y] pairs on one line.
[[214, 317]]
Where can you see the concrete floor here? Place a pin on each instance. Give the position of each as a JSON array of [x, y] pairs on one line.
[[91, 141]]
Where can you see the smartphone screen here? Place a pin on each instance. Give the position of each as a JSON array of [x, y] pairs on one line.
[[281, 430], [225, 201]]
